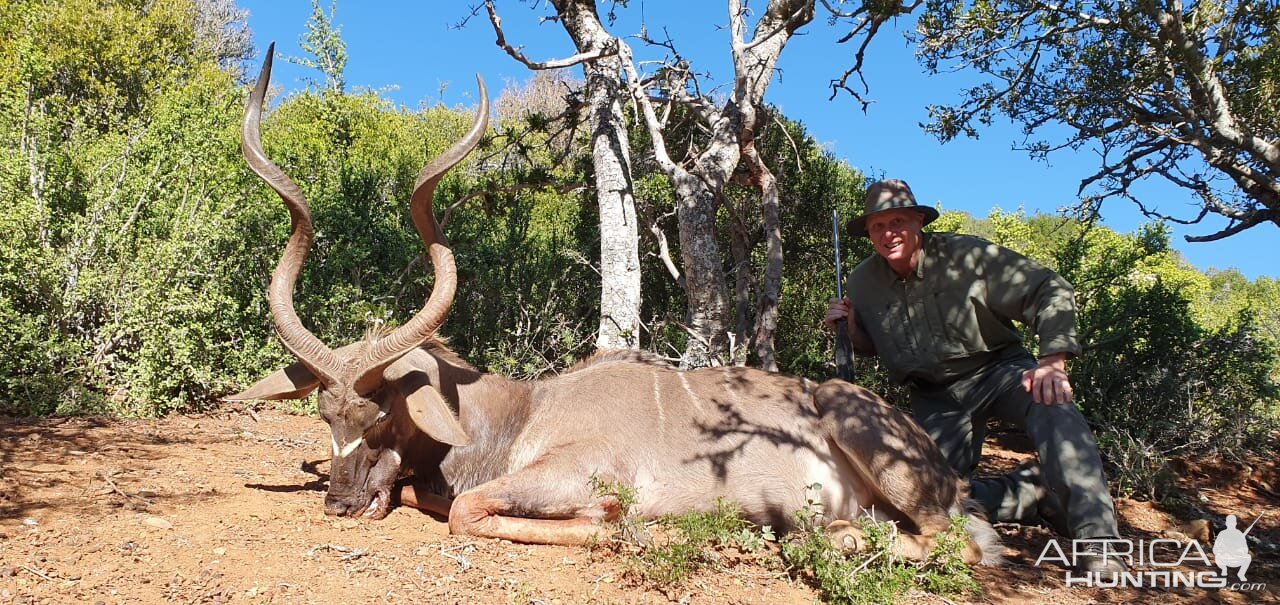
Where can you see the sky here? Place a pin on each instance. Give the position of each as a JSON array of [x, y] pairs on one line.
[[422, 53]]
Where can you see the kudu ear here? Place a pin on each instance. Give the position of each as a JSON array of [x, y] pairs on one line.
[[293, 382], [417, 375], [432, 414]]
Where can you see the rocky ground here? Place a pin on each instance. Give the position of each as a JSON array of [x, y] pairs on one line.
[[226, 507]]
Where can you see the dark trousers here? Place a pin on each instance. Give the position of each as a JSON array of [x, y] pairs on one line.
[[955, 416]]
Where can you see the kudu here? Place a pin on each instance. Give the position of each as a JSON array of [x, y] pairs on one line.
[[515, 459]]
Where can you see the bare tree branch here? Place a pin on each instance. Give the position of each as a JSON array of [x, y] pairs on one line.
[[1162, 90], [518, 55]]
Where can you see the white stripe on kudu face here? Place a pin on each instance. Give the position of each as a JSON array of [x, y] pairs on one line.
[[350, 447], [347, 449]]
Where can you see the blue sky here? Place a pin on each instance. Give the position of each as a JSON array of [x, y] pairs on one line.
[[414, 54]]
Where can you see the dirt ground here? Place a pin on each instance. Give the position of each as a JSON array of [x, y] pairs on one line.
[[226, 507]]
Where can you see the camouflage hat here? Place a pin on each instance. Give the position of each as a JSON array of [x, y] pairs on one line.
[[889, 194]]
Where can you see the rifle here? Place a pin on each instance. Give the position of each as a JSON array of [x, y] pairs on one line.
[[844, 349]]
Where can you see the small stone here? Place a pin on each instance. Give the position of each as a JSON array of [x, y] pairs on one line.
[[220, 551], [157, 523], [348, 524], [30, 522]]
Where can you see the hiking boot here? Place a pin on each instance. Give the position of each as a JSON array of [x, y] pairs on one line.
[[1091, 559], [1049, 511]]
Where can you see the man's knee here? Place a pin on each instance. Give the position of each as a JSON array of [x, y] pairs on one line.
[[1060, 423]]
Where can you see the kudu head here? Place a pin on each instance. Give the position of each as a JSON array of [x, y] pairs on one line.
[[364, 384]]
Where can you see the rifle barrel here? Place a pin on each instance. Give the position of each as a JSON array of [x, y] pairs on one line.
[[844, 348]]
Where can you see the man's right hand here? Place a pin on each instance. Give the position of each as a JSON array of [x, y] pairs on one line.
[[837, 309]]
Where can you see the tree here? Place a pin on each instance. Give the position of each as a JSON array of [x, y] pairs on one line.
[[222, 29], [1184, 93], [611, 158], [700, 182], [323, 41]]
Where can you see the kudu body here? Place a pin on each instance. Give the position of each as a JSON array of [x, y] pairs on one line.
[[515, 459]]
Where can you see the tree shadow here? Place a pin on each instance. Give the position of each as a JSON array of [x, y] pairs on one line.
[[49, 454]]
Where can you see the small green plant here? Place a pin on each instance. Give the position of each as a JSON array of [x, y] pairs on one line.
[[623, 493], [945, 572], [875, 575], [522, 594], [695, 541], [667, 552], [631, 528]]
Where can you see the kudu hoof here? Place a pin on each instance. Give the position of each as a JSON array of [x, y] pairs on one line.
[[846, 536]]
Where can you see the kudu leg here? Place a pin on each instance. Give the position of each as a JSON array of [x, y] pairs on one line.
[[898, 462], [421, 498], [567, 513], [849, 537]]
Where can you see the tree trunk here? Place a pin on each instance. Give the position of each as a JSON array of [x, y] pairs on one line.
[[699, 188], [619, 233], [740, 245], [708, 312], [610, 156], [771, 288]]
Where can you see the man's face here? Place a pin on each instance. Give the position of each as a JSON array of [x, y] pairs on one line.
[[896, 233]]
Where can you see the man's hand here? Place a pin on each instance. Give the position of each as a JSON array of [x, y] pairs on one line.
[[837, 309], [1048, 382]]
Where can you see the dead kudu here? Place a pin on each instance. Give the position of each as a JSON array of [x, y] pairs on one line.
[[514, 459]]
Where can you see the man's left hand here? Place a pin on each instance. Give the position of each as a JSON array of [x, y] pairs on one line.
[[1048, 382]]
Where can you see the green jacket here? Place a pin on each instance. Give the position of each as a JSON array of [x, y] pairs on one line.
[[956, 312]]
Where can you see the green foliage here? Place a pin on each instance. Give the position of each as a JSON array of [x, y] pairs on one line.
[[1172, 363], [812, 182], [98, 63], [1147, 83], [137, 246], [876, 575], [323, 42], [116, 175], [693, 542], [624, 494]]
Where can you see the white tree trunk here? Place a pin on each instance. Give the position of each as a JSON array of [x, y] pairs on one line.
[[705, 288], [619, 234], [610, 156]]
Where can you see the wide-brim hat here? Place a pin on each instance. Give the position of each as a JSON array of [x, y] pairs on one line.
[[889, 194]]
